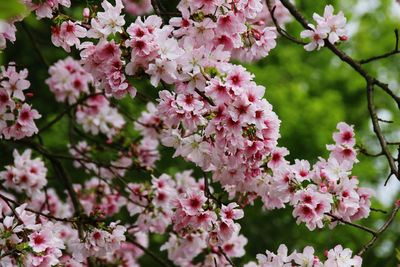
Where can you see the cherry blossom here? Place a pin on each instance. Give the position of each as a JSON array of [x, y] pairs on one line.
[[329, 26]]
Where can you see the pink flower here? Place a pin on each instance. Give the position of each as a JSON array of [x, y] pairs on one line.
[[192, 202], [345, 135], [336, 24], [15, 82], [189, 102], [71, 32], [342, 257], [7, 32], [317, 36], [277, 157], [40, 241], [26, 116], [68, 80], [108, 22], [231, 212]]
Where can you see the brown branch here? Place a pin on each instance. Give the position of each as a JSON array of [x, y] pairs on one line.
[[378, 210], [364, 228], [226, 257], [386, 121], [394, 143], [66, 111], [207, 192], [279, 29], [6, 199], [377, 128], [391, 53], [153, 255], [206, 98], [384, 227]]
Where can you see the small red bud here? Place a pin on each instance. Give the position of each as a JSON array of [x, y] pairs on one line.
[[397, 203], [29, 94], [343, 38]]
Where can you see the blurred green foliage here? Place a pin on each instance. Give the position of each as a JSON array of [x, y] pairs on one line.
[[310, 92], [11, 8]]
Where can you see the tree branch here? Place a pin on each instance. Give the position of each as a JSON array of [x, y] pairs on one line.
[[160, 261], [384, 227], [391, 53], [364, 228], [6, 199], [279, 29]]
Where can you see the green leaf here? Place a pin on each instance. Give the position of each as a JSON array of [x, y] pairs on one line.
[[11, 8]]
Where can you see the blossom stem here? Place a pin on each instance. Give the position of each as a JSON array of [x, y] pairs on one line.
[[6, 199], [147, 251], [391, 53], [367, 229], [226, 257], [384, 227]]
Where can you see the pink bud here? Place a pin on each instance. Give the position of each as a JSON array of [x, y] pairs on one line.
[[86, 13], [323, 188], [343, 38], [326, 253], [29, 94], [109, 141], [397, 203]]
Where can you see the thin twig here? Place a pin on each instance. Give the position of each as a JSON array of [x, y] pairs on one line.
[[153, 255], [206, 98], [391, 53], [6, 199], [279, 29], [384, 227], [378, 210], [66, 111], [364, 228], [226, 257]]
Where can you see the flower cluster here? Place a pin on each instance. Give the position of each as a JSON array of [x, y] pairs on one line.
[[26, 174], [16, 116], [324, 193], [103, 62], [334, 257], [32, 240], [97, 116], [85, 158], [33, 244], [67, 35], [198, 222], [68, 80], [97, 198], [330, 27], [100, 243]]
